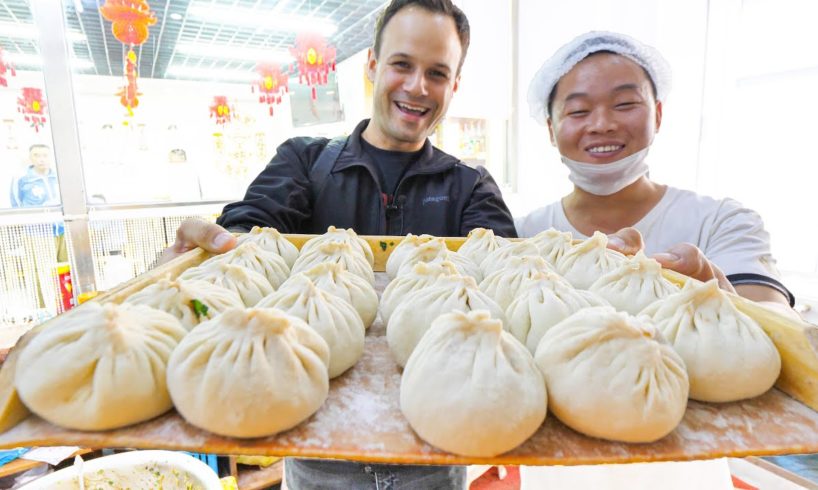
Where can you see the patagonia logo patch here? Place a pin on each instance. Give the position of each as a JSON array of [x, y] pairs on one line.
[[435, 199]]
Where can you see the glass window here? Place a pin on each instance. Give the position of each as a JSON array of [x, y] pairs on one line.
[[177, 106], [34, 274], [28, 176], [192, 107], [191, 104]]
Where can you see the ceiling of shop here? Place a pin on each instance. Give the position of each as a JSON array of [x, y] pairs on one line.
[[98, 52]]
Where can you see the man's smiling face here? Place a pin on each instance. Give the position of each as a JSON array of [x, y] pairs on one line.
[[604, 110], [415, 75]]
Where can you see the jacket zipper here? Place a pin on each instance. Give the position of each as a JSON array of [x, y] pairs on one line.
[[386, 222], [398, 203]]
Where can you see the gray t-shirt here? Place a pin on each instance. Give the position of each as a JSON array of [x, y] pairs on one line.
[[391, 165]]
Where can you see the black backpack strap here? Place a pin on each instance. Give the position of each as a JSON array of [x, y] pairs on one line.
[[322, 166]]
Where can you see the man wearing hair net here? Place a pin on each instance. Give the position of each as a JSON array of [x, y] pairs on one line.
[[601, 97]]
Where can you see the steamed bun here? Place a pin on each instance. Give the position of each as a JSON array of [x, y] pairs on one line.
[[271, 240], [541, 303], [728, 355], [411, 319], [251, 256], [503, 286], [191, 301], [435, 251], [248, 284], [479, 243], [335, 252], [333, 318], [470, 388], [337, 281], [100, 367], [398, 255], [249, 373], [634, 284], [422, 274], [552, 244], [357, 244], [589, 260], [498, 259], [609, 375]]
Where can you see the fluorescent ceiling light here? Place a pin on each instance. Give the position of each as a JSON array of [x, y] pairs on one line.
[[30, 31], [35, 60], [234, 53], [262, 19], [176, 16], [76, 37], [208, 74]]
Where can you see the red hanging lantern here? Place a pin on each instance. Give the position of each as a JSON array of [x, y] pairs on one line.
[[272, 84], [314, 58], [221, 110], [131, 19], [32, 106], [5, 67]]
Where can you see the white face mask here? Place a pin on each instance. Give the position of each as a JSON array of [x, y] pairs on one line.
[[604, 179]]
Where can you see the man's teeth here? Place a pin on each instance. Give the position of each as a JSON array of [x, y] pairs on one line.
[[604, 149], [412, 108]]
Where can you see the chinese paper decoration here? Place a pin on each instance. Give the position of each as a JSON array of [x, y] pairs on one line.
[[5, 67], [128, 95], [221, 110], [271, 85], [261, 145], [314, 59], [235, 155], [218, 142], [32, 106], [131, 19]]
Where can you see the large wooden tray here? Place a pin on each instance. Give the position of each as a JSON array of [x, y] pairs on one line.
[[361, 419]]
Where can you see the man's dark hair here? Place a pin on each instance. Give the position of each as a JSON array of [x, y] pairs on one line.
[[38, 145], [604, 51], [445, 7]]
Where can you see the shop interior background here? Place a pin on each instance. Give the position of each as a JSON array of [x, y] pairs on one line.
[[737, 123]]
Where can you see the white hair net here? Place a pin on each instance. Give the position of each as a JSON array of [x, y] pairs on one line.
[[591, 42]]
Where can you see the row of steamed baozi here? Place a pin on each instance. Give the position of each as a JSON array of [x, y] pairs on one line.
[[483, 254], [521, 307], [264, 369], [429, 283], [461, 366], [621, 375], [193, 342]]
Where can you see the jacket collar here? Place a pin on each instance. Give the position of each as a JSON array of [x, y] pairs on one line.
[[33, 174], [431, 159]]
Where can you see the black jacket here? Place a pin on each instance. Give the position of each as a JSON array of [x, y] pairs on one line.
[[438, 195]]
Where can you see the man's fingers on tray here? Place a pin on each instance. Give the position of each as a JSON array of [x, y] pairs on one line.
[[627, 241], [687, 259], [194, 232], [211, 237]]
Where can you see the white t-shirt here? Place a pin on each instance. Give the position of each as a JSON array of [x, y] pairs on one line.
[[730, 235]]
